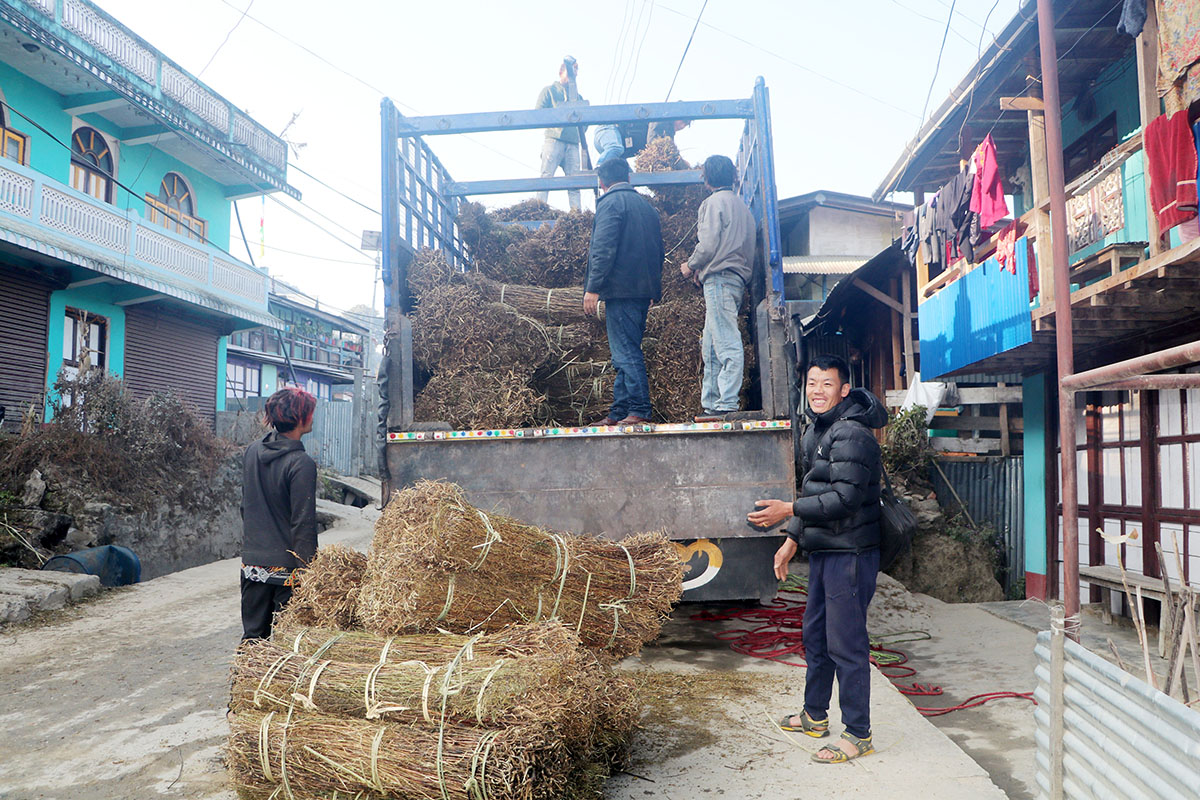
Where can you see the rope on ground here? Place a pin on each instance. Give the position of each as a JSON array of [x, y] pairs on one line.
[[777, 634]]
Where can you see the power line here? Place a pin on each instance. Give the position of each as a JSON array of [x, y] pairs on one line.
[[638, 58], [225, 41], [316, 225], [796, 64], [365, 83], [610, 82], [916, 13], [938, 66], [685, 50], [978, 66], [336, 191]]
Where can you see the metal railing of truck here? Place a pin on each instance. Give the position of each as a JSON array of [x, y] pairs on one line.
[[421, 200]]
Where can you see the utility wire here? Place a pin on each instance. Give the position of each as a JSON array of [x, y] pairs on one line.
[[638, 58], [685, 50], [796, 64], [225, 41], [978, 66], [365, 83], [335, 191], [319, 227], [630, 73], [938, 66], [616, 51]]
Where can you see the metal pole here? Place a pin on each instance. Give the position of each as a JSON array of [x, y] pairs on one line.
[[1138, 367], [1063, 334]]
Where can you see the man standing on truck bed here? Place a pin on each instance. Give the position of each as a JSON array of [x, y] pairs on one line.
[[836, 521], [722, 263], [561, 147], [624, 270], [279, 510]]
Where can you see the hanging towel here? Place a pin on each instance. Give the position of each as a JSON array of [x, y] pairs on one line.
[[987, 195], [1171, 163]]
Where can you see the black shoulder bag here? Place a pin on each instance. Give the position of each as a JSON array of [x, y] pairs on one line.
[[897, 525]]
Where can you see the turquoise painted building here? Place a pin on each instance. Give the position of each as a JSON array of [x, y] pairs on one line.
[[118, 170]]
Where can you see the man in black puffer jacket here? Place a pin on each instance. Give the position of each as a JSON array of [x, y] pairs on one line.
[[836, 521]]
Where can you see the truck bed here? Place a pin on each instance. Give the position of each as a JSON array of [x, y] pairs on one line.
[[696, 481]]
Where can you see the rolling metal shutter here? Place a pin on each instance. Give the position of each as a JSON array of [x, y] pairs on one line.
[[165, 351], [24, 312]]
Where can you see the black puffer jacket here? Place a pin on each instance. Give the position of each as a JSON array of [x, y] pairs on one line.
[[838, 507], [626, 254]]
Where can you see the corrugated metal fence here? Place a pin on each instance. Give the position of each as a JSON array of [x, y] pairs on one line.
[[993, 489], [1120, 738], [331, 441]]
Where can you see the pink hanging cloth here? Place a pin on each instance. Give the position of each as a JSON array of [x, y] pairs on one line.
[[987, 193]]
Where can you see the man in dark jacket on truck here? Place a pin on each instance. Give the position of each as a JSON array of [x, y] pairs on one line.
[[835, 521], [625, 271], [279, 510]]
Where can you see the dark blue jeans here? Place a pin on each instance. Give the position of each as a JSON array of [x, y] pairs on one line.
[[626, 323], [840, 587]]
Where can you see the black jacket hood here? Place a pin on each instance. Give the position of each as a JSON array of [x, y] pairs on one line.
[[276, 446], [860, 405]]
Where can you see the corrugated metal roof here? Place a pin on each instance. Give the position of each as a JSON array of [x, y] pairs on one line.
[[822, 265]]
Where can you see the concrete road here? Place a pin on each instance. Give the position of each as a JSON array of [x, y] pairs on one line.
[[124, 697]]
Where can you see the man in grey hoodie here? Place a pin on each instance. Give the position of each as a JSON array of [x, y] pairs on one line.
[[279, 510], [722, 263]]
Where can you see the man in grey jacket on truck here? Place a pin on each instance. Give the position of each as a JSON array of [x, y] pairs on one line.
[[279, 510], [722, 263]]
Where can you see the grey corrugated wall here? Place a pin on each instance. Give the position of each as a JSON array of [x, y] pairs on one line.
[[993, 490]]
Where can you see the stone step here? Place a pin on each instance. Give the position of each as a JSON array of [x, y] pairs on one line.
[[25, 591]]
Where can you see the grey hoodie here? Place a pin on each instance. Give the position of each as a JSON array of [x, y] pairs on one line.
[[279, 503]]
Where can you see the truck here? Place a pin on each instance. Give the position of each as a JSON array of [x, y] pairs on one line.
[[696, 481]]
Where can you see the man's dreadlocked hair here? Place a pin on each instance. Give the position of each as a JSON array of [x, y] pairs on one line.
[[288, 408]]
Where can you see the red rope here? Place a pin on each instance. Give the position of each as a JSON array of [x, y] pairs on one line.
[[778, 635]]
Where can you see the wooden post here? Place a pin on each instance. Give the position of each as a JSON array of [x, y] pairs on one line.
[[1148, 103], [906, 300], [1005, 446], [1041, 192], [896, 339]]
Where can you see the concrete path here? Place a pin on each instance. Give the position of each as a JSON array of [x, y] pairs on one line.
[[124, 697]]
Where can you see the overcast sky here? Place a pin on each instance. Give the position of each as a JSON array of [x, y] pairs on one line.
[[848, 83]]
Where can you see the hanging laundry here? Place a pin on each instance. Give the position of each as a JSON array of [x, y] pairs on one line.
[[1133, 17], [1035, 284], [987, 194], [931, 242], [1171, 163], [1006, 247]]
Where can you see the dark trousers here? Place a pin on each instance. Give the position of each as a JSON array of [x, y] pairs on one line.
[[260, 602], [840, 587], [626, 324]]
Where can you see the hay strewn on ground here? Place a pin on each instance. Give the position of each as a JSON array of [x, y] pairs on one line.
[[326, 594], [438, 562]]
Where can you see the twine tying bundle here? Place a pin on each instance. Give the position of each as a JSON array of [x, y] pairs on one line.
[[423, 573]]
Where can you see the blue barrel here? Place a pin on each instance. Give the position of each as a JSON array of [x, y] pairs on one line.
[[112, 564]]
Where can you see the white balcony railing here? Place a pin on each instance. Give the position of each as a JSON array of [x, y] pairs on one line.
[[30, 198], [115, 41], [108, 38]]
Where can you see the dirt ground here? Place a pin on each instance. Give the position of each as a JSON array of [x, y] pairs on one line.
[[124, 697]]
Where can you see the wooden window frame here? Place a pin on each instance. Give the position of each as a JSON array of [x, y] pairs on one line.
[[160, 212], [79, 163], [80, 317]]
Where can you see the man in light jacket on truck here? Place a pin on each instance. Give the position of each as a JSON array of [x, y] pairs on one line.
[[722, 263]]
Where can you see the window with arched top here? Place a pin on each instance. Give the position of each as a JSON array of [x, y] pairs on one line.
[[92, 164], [13, 145], [174, 207]]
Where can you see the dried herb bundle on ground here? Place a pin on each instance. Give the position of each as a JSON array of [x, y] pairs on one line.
[[470, 398], [438, 562], [326, 594], [555, 255], [319, 754], [454, 327]]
